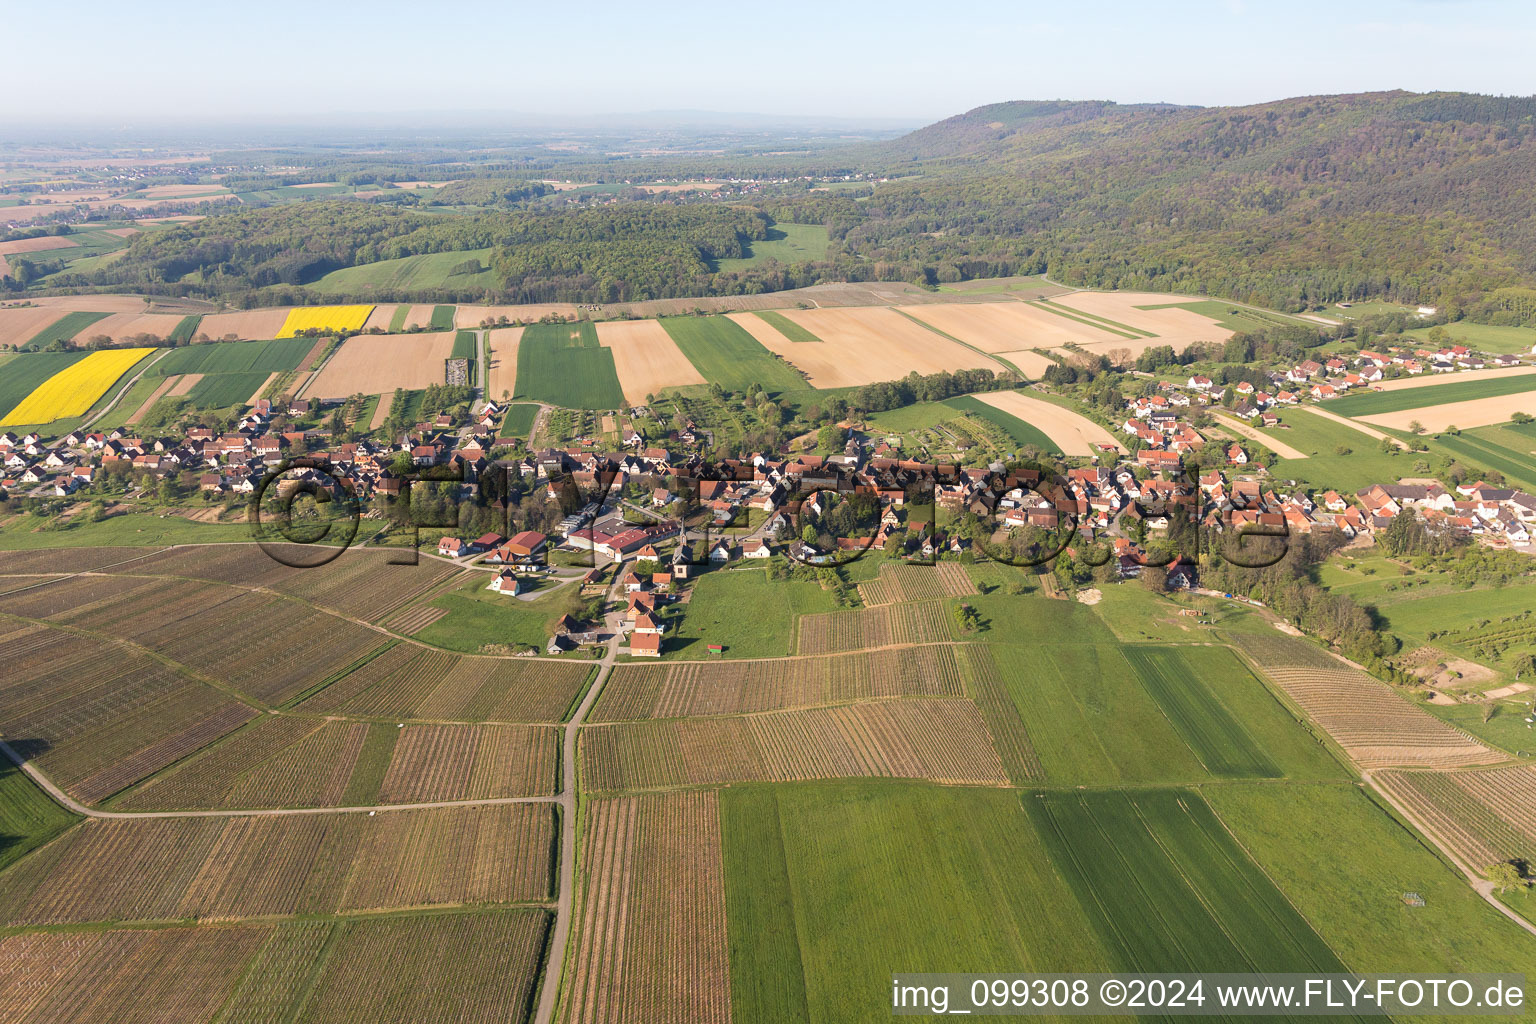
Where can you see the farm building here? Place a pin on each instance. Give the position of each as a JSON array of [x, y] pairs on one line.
[[646, 645], [509, 582]]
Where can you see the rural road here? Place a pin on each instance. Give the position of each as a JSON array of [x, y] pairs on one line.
[[549, 988]]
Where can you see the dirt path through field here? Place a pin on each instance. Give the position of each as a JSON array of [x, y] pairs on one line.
[[184, 384], [1357, 425], [1279, 447], [549, 987]]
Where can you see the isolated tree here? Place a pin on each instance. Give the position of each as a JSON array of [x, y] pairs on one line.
[[1505, 876]]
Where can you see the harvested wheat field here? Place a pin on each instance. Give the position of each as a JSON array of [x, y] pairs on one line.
[[501, 374], [1006, 326], [184, 384], [652, 895], [1076, 434], [381, 411], [474, 316], [1479, 412], [1268, 440], [861, 345], [1436, 379], [646, 358], [19, 326], [380, 317], [121, 327], [93, 303], [159, 393], [383, 317], [261, 388], [43, 244], [121, 232], [250, 325], [1177, 327], [1033, 364], [374, 364]]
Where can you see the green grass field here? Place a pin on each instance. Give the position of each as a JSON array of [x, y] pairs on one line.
[[63, 329], [1176, 679], [1022, 432], [477, 616], [186, 330], [1489, 386], [785, 326], [753, 616], [832, 886], [225, 390], [466, 346], [519, 419], [725, 354], [1362, 465], [563, 364], [23, 373], [1345, 864], [132, 529], [264, 357], [442, 318], [28, 818], [1167, 888], [398, 317], [1506, 447], [1483, 337], [409, 273], [787, 243]]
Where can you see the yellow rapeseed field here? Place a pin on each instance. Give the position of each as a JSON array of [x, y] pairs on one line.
[[73, 390], [324, 318]]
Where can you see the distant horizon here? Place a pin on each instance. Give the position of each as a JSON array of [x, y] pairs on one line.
[[173, 63]]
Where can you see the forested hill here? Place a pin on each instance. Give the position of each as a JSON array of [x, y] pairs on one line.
[[1290, 204], [1414, 197]]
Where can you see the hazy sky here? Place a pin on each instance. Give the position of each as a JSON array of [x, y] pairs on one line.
[[164, 60]]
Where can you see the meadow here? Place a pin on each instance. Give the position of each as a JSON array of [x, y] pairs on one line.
[[1483, 337], [563, 364], [751, 615], [1509, 448], [728, 356], [235, 357], [1346, 864], [831, 886], [1362, 463], [1176, 679], [28, 817], [519, 419], [787, 243], [426, 272]]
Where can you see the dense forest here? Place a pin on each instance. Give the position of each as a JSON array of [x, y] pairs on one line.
[[1291, 204]]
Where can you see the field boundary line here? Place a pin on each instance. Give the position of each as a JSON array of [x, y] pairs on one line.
[[1020, 374], [70, 803]]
